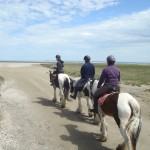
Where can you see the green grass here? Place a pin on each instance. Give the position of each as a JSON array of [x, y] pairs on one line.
[[133, 74], [1, 79]]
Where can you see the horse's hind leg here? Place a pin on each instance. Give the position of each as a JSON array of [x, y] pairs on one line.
[[103, 127], [62, 99], [55, 98], [96, 119], [128, 127], [89, 107], [79, 109], [126, 145], [104, 135]]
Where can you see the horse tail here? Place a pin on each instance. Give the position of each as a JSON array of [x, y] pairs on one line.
[[134, 125], [66, 87]]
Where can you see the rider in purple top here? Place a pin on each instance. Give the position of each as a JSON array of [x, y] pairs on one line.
[[110, 75], [109, 79]]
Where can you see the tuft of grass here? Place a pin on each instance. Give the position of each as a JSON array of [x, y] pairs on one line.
[[1, 79], [133, 74], [147, 90]]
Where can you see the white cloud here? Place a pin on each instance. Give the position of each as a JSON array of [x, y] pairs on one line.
[[28, 16], [60, 10], [41, 23], [21, 19], [130, 29]]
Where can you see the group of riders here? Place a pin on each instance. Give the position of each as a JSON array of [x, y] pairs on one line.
[[108, 80]]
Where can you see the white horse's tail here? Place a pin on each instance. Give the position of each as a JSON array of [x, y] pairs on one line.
[[66, 87], [133, 127]]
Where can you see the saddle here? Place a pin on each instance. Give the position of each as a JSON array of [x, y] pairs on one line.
[[52, 77], [110, 91], [85, 90], [102, 99], [81, 85], [54, 80]]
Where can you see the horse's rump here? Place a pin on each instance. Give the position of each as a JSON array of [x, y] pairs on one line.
[[66, 87]]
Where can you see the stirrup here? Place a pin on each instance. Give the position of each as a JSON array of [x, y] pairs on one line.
[[73, 96], [94, 110]]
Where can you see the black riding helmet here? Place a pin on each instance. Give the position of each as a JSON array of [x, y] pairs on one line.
[[87, 58], [57, 56]]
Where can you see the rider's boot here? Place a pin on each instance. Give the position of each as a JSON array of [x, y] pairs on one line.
[[95, 109], [75, 94]]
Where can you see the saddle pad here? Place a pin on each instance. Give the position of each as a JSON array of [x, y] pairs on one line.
[[102, 99]]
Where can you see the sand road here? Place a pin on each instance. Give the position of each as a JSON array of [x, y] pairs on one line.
[[29, 120]]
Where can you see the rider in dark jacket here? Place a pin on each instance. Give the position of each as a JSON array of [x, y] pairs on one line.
[[109, 79], [59, 65], [59, 69], [87, 72]]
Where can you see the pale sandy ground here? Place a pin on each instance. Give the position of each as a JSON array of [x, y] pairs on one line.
[[29, 120]]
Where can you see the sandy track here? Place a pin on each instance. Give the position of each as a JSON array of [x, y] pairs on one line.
[[31, 121]]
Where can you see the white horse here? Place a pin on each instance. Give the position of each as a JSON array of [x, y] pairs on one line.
[[87, 92], [127, 113], [63, 85]]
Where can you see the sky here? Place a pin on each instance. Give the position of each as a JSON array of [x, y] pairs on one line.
[[37, 30]]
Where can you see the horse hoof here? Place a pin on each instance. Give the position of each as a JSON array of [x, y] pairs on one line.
[[78, 112], [102, 139], [96, 122], [90, 114], [54, 100], [69, 99], [121, 147], [62, 106]]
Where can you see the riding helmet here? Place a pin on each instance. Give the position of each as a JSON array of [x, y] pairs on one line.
[[57, 56], [87, 57], [111, 58]]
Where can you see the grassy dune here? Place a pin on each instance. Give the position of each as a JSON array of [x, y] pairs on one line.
[[133, 74]]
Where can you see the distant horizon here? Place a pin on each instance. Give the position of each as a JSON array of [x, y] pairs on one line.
[[67, 61]]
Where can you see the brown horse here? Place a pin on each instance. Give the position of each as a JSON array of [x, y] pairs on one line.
[[127, 113]]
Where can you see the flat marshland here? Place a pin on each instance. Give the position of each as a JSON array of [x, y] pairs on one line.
[[133, 74]]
